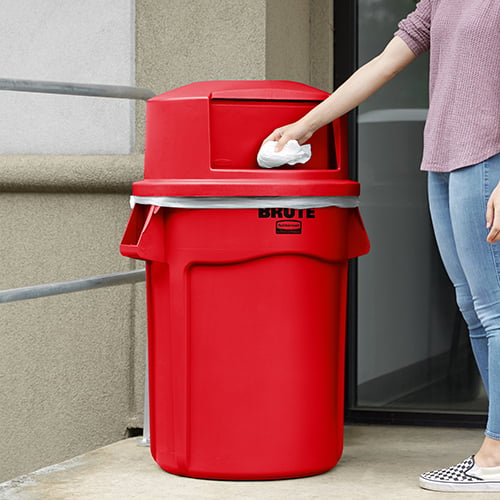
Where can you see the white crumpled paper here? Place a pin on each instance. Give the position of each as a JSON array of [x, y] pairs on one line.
[[291, 154]]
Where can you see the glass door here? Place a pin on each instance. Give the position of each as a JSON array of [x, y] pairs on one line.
[[409, 352]]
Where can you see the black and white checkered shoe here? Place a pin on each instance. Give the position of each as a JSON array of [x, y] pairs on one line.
[[466, 476]]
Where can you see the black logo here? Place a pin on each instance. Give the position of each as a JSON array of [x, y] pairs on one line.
[[288, 226], [287, 213]]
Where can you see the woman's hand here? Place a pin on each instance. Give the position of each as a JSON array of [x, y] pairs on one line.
[[493, 216], [297, 130]]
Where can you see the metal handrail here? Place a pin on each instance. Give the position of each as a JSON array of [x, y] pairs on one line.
[[58, 288], [63, 287], [89, 90], [114, 279], [81, 89]]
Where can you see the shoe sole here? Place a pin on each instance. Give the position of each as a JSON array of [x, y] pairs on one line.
[[459, 486]]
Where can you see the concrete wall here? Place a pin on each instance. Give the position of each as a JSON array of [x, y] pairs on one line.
[[71, 366], [299, 42], [67, 41]]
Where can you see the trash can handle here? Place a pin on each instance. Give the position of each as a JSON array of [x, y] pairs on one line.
[[141, 235]]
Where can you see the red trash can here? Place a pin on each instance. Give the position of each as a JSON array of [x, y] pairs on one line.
[[246, 305]]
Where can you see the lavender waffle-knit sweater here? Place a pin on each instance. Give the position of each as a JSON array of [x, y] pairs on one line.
[[463, 36]]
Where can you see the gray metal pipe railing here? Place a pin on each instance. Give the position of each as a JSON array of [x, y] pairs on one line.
[[81, 89], [107, 280], [63, 287], [89, 90], [59, 288]]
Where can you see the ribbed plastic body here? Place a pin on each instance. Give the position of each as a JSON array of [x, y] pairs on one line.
[[246, 307]]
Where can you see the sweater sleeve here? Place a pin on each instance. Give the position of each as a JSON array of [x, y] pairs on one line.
[[415, 29]]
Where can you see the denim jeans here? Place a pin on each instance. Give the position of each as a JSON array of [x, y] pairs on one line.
[[458, 209]]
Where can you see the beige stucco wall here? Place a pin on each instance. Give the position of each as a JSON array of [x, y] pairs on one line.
[[71, 366], [299, 41]]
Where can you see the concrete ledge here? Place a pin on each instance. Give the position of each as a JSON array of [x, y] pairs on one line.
[[70, 174], [378, 462]]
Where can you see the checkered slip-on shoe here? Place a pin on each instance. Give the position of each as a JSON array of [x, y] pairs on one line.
[[466, 476]]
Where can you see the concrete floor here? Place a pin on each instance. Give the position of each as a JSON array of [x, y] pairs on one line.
[[381, 462]]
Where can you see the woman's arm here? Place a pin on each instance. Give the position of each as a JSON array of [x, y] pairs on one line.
[[361, 85]]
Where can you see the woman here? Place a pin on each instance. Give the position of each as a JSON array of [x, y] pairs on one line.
[[462, 157]]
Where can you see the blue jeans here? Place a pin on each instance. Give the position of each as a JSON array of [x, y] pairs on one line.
[[458, 207]]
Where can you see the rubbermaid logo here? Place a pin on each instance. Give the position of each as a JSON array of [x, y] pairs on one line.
[[289, 226]]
